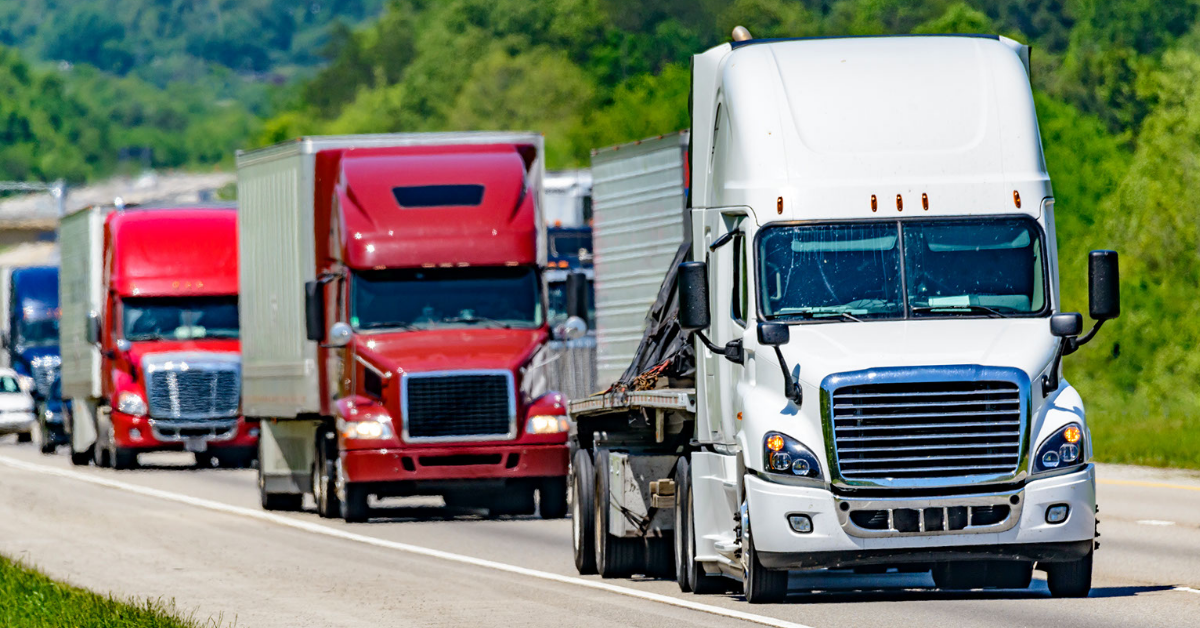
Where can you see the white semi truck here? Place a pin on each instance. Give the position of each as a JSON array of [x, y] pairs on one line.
[[854, 360]]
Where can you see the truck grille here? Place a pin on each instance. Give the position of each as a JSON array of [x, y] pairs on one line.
[[459, 406], [44, 371], [177, 389], [927, 430]]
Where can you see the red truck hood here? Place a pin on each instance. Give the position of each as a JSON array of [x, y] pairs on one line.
[[139, 350], [455, 348]]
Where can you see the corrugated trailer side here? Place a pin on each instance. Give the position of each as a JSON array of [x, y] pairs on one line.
[[81, 237], [639, 208]]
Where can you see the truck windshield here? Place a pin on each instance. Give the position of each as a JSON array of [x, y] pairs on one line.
[[925, 268], [180, 318], [37, 332], [426, 298]]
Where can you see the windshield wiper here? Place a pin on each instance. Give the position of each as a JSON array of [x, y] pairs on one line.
[[388, 325], [975, 309], [846, 316]]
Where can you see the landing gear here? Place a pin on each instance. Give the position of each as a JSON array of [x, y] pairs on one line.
[[82, 458], [288, 502], [1073, 579], [688, 573]]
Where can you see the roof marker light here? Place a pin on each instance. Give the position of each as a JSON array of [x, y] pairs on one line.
[[899, 203], [779, 205], [1017, 199], [741, 33], [874, 204], [925, 201]]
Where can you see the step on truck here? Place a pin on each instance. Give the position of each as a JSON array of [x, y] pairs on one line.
[[149, 335], [854, 359], [394, 310]]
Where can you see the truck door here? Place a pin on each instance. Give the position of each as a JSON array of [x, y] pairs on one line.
[[728, 299]]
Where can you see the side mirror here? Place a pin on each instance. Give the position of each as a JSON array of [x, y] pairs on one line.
[[773, 334], [1066, 325], [572, 329], [1104, 285], [692, 283], [314, 310], [576, 295], [93, 327], [339, 335]]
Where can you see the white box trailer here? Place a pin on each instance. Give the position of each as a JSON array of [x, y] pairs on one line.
[[639, 205], [81, 236]]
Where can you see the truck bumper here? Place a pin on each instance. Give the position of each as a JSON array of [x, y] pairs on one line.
[[836, 541], [146, 434], [413, 466]]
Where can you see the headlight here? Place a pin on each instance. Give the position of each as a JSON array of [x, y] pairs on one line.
[[370, 429], [25, 382], [131, 403], [1062, 450], [784, 454], [546, 424]]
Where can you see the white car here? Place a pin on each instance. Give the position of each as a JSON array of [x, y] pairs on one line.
[[16, 407]]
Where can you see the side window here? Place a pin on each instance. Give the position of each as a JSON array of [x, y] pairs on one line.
[[738, 299]]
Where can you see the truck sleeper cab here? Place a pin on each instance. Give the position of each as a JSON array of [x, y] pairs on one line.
[[877, 372], [408, 358], [153, 362]]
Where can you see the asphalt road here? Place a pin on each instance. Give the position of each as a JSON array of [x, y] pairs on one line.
[[198, 537]]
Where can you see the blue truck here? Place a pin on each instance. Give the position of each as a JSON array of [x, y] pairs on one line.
[[30, 342]]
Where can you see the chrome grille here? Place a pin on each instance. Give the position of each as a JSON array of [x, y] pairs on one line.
[[927, 430], [45, 370], [458, 406], [196, 386]]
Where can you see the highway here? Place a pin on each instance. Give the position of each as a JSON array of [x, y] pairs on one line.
[[198, 537]]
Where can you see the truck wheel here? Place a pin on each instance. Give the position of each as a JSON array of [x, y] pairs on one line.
[[552, 498], [761, 585], [689, 574], [324, 481], [100, 455], [25, 437], [123, 458], [235, 457], [81, 458], [45, 440], [1072, 579], [616, 557], [286, 502], [514, 500], [583, 522], [205, 459], [660, 556], [355, 508]]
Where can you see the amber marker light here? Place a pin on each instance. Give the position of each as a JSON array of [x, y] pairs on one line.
[[779, 205], [1017, 199], [899, 203], [874, 204], [1072, 434], [925, 201], [739, 416], [775, 443]]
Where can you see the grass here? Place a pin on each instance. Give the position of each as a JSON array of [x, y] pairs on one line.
[[29, 599]]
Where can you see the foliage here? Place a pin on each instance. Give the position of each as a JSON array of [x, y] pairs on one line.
[[29, 599]]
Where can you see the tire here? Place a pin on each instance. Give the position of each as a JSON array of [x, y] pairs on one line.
[[660, 556], [100, 453], [615, 557], [281, 502], [1072, 579], [760, 585], [355, 508], [81, 458], [234, 457], [983, 574], [552, 498], [122, 458], [205, 459], [324, 479], [515, 499], [583, 518], [688, 573], [25, 437], [45, 441]]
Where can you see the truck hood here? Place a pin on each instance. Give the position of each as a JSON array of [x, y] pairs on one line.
[[824, 349], [140, 350], [455, 349]]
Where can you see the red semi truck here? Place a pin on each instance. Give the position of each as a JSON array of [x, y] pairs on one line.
[[149, 334], [394, 316]]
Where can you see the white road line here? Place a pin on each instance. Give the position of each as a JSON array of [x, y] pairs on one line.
[[1155, 522], [1187, 589], [316, 528]]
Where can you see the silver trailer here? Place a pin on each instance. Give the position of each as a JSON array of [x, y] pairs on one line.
[[80, 298]]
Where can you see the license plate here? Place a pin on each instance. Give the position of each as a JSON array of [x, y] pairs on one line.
[[195, 445]]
